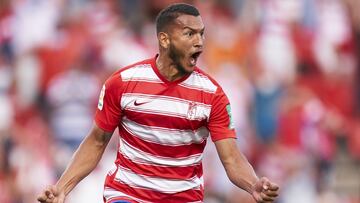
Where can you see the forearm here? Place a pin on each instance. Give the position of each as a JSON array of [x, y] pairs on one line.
[[241, 173], [85, 159], [237, 167]]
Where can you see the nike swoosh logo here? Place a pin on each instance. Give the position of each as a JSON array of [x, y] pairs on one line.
[[140, 103]]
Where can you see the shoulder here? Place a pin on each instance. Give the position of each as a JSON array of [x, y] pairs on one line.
[[204, 81], [140, 70], [219, 98], [206, 75], [117, 78], [146, 62]]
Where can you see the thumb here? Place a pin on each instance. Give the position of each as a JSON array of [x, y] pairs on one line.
[[265, 183], [49, 194], [51, 191]]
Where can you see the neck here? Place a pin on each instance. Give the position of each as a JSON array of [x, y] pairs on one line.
[[167, 68]]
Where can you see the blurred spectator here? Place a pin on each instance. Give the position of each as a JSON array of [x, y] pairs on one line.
[[353, 7], [71, 97]]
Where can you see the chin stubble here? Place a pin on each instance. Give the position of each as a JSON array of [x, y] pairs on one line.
[[175, 55]]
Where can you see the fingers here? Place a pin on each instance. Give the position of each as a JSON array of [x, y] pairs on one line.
[[267, 185], [265, 197], [274, 187], [268, 192], [44, 195], [261, 198], [49, 195], [270, 186], [46, 199], [41, 198], [271, 193]]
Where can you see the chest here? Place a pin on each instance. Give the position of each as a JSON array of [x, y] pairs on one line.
[[166, 107]]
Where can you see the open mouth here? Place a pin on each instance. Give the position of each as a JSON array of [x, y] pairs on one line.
[[194, 57]]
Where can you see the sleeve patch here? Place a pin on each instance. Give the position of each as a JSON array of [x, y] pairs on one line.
[[231, 124], [101, 98]]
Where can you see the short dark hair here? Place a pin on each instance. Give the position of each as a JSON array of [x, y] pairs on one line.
[[170, 13]]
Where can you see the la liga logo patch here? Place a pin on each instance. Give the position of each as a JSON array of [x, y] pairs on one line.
[[231, 124], [101, 98]]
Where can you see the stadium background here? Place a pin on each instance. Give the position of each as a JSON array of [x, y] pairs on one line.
[[291, 69]]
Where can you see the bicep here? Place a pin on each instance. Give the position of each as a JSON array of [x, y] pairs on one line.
[[227, 150], [99, 135]]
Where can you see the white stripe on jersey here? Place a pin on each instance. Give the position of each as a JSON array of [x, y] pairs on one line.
[[168, 106], [200, 82], [139, 156], [110, 193], [165, 136], [158, 184], [142, 72], [150, 96]]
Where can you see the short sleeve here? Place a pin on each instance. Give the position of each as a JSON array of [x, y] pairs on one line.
[[220, 123], [108, 112]]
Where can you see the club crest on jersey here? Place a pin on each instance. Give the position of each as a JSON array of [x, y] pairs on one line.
[[101, 98], [191, 113]]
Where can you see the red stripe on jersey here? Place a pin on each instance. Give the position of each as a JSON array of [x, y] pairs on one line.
[[185, 172], [180, 151], [160, 89], [157, 120], [155, 196]]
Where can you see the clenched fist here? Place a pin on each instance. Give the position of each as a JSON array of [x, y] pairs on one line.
[[51, 195], [265, 191]]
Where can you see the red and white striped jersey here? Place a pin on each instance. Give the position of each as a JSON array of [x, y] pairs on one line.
[[163, 128]]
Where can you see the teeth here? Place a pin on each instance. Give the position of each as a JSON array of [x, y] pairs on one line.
[[192, 61]]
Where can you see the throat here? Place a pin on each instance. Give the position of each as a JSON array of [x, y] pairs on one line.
[[170, 71]]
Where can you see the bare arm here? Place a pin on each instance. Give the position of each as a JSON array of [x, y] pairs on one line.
[[238, 169], [242, 174], [85, 159]]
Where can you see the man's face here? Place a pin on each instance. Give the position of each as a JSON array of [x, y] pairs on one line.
[[186, 42]]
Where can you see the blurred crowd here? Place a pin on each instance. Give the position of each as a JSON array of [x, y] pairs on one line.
[[291, 69]]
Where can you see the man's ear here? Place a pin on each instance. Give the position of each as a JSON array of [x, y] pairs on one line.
[[164, 39]]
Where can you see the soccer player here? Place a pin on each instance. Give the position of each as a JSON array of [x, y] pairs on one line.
[[165, 108]]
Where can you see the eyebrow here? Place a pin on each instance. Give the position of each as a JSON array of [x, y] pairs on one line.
[[192, 29]]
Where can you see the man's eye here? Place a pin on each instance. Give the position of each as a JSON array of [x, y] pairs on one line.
[[189, 34]]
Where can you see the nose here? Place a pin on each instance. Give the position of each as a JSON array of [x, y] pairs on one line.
[[199, 41]]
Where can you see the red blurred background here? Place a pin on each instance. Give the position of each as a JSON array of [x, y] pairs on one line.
[[291, 70]]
